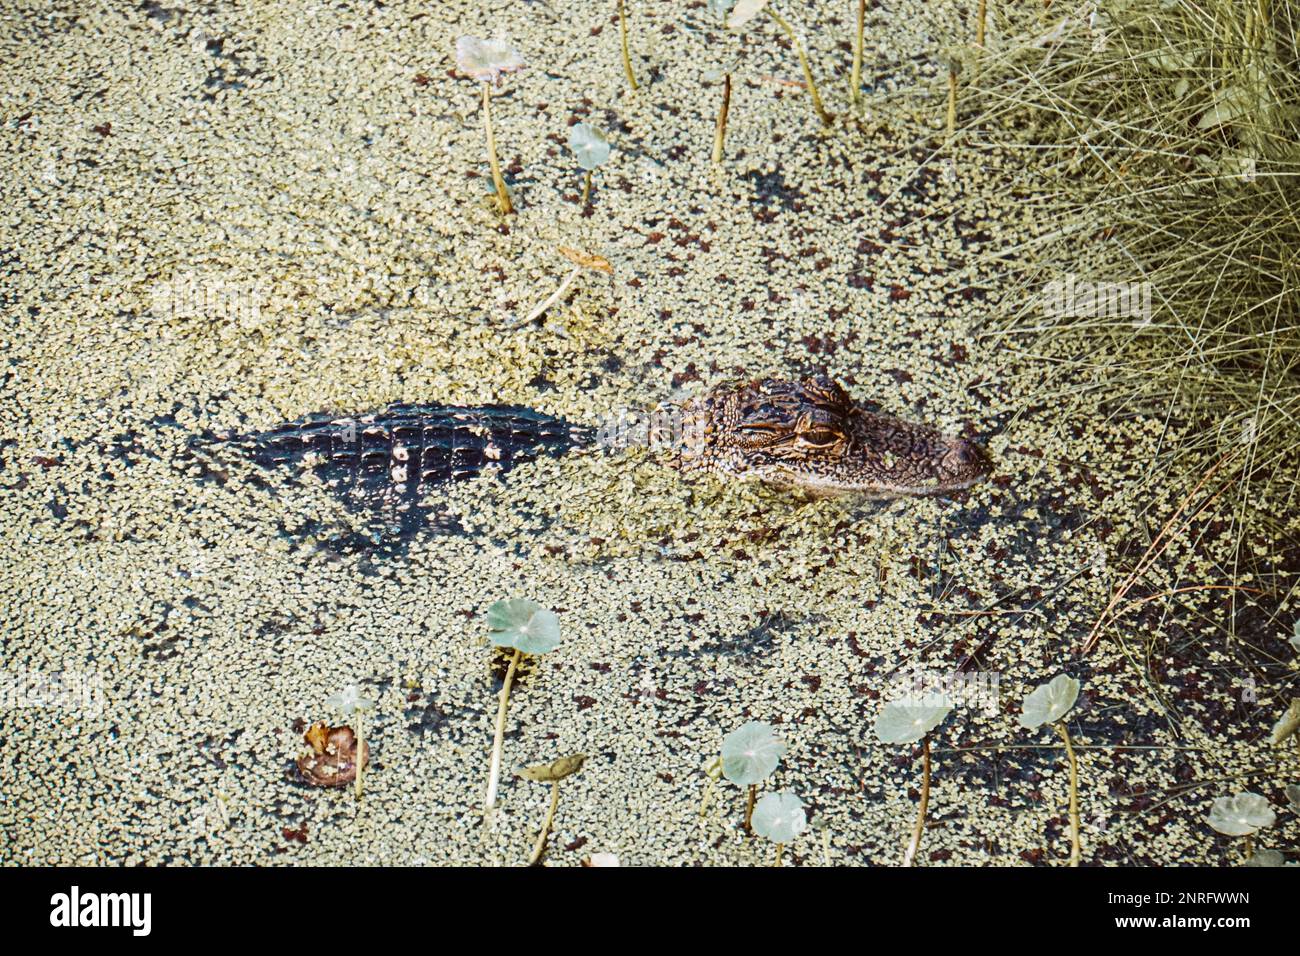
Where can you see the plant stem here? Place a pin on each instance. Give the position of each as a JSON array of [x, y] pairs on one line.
[[855, 80], [721, 134], [551, 299], [779, 848], [503, 197], [361, 750], [915, 844], [1250, 846], [540, 845], [803, 62], [1074, 794], [952, 102], [627, 60], [494, 770], [586, 189], [749, 807], [980, 17]]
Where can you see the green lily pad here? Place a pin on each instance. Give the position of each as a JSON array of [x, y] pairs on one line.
[[1241, 814], [750, 753], [589, 145], [1049, 702], [523, 625], [1295, 635], [779, 816], [900, 723], [743, 11], [1293, 796]]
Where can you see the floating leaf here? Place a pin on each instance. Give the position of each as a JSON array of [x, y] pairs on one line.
[[1049, 702], [1293, 796], [901, 723], [1295, 635], [743, 12], [750, 753], [524, 625], [487, 59], [780, 817], [555, 770], [587, 260], [720, 8], [588, 144], [602, 859], [349, 700], [1240, 815]]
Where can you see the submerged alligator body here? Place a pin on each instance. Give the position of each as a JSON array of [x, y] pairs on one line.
[[807, 434]]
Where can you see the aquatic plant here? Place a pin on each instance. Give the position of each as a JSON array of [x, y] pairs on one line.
[[1048, 704], [720, 9], [1292, 792], [1243, 815], [906, 722], [855, 76], [745, 10], [488, 61], [591, 148], [720, 129], [526, 628], [750, 754], [1165, 142], [551, 773], [581, 260], [780, 817], [351, 704], [627, 59]]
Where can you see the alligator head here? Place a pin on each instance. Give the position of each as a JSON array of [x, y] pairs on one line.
[[811, 435]]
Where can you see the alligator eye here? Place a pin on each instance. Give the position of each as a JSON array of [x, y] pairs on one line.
[[820, 437]]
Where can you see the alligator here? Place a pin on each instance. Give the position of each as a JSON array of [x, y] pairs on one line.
[[806, 434]]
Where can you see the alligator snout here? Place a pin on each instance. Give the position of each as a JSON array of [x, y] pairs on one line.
[[965, 463]]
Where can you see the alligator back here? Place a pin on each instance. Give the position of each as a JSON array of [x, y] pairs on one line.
[[385, 462]]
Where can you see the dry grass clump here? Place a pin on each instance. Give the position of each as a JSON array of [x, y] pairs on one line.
[[1169, 138]]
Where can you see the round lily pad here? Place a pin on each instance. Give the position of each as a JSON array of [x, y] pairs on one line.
[[750, 753], [588, 144], [743, 11], [1049, 702], [487, 59], [901, 723], [1241, 814], [779, 816], [524, 625]]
